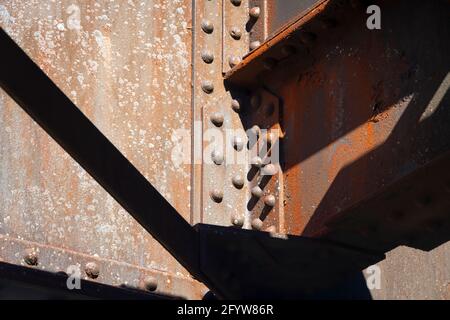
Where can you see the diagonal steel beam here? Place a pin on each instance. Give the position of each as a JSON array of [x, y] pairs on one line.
[[28, 85]]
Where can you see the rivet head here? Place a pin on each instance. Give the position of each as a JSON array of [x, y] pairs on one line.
[[269, 63], [238, 181], [216, 195], [237, 221], [31, 258], [207, 86], [254, 45], [234, 61], [217, 157], [238, 143], [269, 170], [257, 192], [254, 12], [269, 200], [92, 270], [217, 119], [236, 33], [257, 224], [237, 3], [257, 162], [150, 283], [236, 105], [207, 26], [207, 56]]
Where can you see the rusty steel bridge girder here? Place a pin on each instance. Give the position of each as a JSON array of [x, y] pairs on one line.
[[361, 118]]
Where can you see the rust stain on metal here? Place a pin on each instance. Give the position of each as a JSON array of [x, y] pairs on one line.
[[124, 64]]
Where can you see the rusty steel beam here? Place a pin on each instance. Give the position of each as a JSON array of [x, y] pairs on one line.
[[27, 84], [360, 110], [203, 250]]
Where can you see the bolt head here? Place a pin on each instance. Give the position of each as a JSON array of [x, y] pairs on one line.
[[207, 56], [257, 192], [235, 105], [254, 45], [150, 283], [217, 157], [238, 143], [238, 181], [236, 33], [207, 86], [237, 221], [234, 61], [269, 200], [257, 224], [254, 12], [207, 26], [217, 119], [237, 3], [216, 195], [92, 270], [31, 257]]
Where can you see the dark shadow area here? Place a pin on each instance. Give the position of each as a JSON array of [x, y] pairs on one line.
[[17, 282]]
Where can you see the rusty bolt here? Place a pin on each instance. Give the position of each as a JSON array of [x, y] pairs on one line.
[[207, 86], [31, 257], [254, 12], [254, 45], [150, 283], [207, 26], [257, 162], [217, 119], [92, 270], [217, 157], [238, 181], [207, 56], [269, 63], [236, 105], [236, 33], [238, 143], [237, 221], [269, 170], [269, 200], [257, 224], [257, 192], [234, 61], [216, 195], [237, 3]]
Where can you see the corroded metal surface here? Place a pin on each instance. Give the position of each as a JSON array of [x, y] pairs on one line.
[[122, 63]]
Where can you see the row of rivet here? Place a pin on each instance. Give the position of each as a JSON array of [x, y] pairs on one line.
[[258, 163], [91, 269]]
